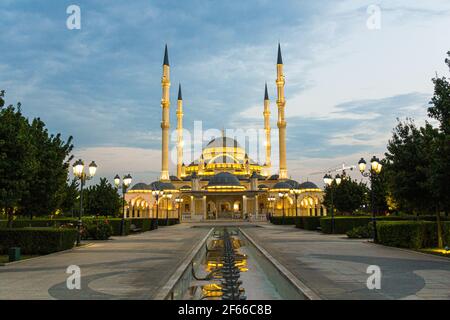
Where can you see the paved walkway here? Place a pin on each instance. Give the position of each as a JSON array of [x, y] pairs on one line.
[[335, 267], [133, 267]]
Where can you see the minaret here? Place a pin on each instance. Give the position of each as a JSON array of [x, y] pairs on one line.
[[179, 133], [268, 163], [165, 123], [281, 103]]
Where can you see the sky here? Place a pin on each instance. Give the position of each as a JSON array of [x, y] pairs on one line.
[[352, 68]]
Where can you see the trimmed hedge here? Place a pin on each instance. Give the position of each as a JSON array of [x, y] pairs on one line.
[[411, 234], [37, 240], [344, 224], [308, 223], [170, 222], [145, 224], [279, 220]]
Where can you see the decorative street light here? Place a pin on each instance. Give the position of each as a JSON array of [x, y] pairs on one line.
[[78, 171], [296, 192], [328, 179], [125, 184], [168, 197], [179, 201], [271, 206], [283, 195], [157, 194], [375, 169]]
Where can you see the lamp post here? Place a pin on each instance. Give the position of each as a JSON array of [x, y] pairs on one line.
[[157, 194], [283, 195], [168, 196], [125, 184], [271, 206], [179, 202], [295, 192], [78, 171], [375, 169], [328, 179]]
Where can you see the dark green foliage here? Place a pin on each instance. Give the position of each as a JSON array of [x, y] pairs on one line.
[[37, 240], [102, 199], [308, 223], [170, 222], [343, 224], [281, 221], [99, 229], [144, 224], [407, 234], [33, 164], [362, 232], [348, 197]]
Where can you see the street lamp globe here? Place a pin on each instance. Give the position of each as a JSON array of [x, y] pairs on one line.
[[117, 180], [127, 180], [362, 165], [78, 168], [374, 162], [327, 179], [92, 169], [338, 179]]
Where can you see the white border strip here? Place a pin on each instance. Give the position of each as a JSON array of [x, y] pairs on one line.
[[164, 292], [300, 285]]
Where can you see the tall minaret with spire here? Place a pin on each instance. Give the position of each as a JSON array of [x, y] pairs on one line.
[[268, 163], [179, 133], [165, 123], [281, 103]]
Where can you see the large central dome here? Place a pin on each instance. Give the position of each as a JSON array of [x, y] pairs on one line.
[[223, 142], [223, 154]]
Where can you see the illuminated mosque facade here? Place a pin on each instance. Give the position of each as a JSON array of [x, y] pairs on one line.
[[224, 182]]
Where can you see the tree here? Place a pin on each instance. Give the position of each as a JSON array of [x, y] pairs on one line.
[[17, 161], [52, 158], [347, 196], [70, 195], [102, 199], [380, 188], [33, 164], [408, 162]]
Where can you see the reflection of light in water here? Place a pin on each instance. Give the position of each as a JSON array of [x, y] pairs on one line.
[[214, 259]]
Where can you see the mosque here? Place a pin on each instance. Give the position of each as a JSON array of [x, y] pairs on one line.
[[224, 183]]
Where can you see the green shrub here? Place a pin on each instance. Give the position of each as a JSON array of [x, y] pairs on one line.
[[169, 222], [308, 223], [283, 221], [362, 232], [407, 234], [343, 224], [3, 224], [99, 230], [145, 224], [37, 240]]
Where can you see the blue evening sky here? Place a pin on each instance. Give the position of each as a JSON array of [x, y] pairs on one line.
[[345, 83]]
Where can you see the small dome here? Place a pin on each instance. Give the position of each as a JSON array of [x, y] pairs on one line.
[[282, 185], [174, 178], [308, 185], [140, 186], [274, 177], [224, 179], [159, 185], [293, 183]]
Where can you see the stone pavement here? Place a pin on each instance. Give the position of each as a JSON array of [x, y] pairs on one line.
[[335, 267], [133, 267]]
